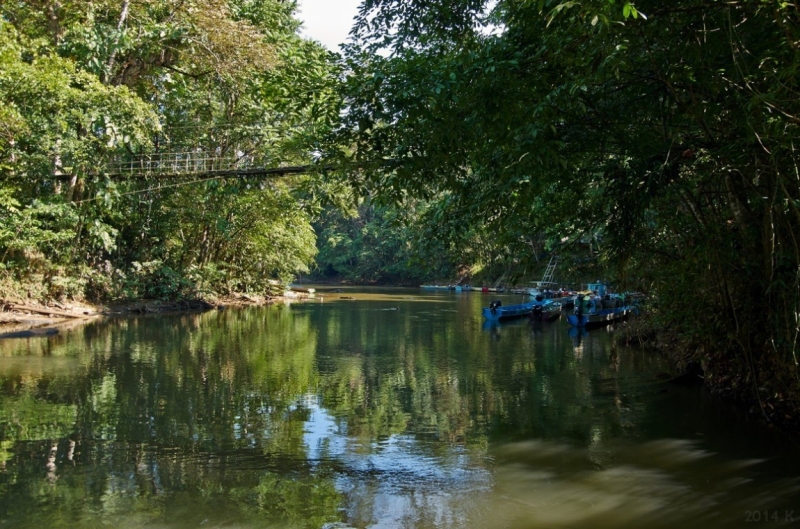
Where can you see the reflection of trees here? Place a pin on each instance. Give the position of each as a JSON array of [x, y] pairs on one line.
[[197, 416], [391, 374], [226, 377], [298, 501], [25, 418], [199, 384], [387, 374], [221, 376]]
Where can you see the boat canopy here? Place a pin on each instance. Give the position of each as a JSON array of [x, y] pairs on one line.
[[599, 287]]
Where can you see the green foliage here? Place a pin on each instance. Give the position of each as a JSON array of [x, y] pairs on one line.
[[148, 280], [69, 117], [429, 240], [384, 244], [87, 83], [667, 132]]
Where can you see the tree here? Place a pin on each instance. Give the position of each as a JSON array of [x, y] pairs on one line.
[[108, 81], [670, 130]]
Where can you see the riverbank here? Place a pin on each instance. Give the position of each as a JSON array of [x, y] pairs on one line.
[[721, 372], [20, 319]]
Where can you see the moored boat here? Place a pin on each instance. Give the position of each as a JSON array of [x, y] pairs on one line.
[[567, 299], [546, 312], [549, 289], [598, 318], [543, 288], [496, 311], [591, 312]]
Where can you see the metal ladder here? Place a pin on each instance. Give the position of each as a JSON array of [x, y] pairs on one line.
[[551, 268]]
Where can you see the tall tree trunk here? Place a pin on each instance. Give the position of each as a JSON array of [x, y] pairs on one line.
[[123, 16], [53, 24]]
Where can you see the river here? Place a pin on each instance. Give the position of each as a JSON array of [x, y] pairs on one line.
[[385, 408]]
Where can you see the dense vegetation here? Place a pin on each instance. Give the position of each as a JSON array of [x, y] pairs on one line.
[[473, 136], [421, 241], [85, 85], [665, 129]]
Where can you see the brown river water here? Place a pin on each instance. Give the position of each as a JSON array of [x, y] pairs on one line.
[[399, 408]]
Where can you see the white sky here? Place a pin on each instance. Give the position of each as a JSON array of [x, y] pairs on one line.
[[327, 21]]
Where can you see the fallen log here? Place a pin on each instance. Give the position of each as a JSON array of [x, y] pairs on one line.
[[46, 311]]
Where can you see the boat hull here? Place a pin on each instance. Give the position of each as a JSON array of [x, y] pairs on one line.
[[513, 311], [507, 313], [596, 319], [549, 313]]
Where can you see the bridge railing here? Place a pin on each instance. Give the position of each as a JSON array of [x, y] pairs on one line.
[[179, 163]]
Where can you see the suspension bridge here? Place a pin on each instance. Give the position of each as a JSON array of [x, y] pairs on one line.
[[198, 164]]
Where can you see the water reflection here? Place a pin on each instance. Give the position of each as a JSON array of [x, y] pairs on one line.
[[394, 409]]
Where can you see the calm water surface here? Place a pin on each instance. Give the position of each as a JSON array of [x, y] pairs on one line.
[[398, 408]]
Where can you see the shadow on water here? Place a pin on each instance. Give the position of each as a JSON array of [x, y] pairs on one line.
[[397, 408], [664, 483]]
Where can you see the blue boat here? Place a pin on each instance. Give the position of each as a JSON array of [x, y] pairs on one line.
[[496, 311], [592, 313], [601, 317]]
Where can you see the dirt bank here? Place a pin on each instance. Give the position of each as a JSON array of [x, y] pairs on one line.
[[21, 319]]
